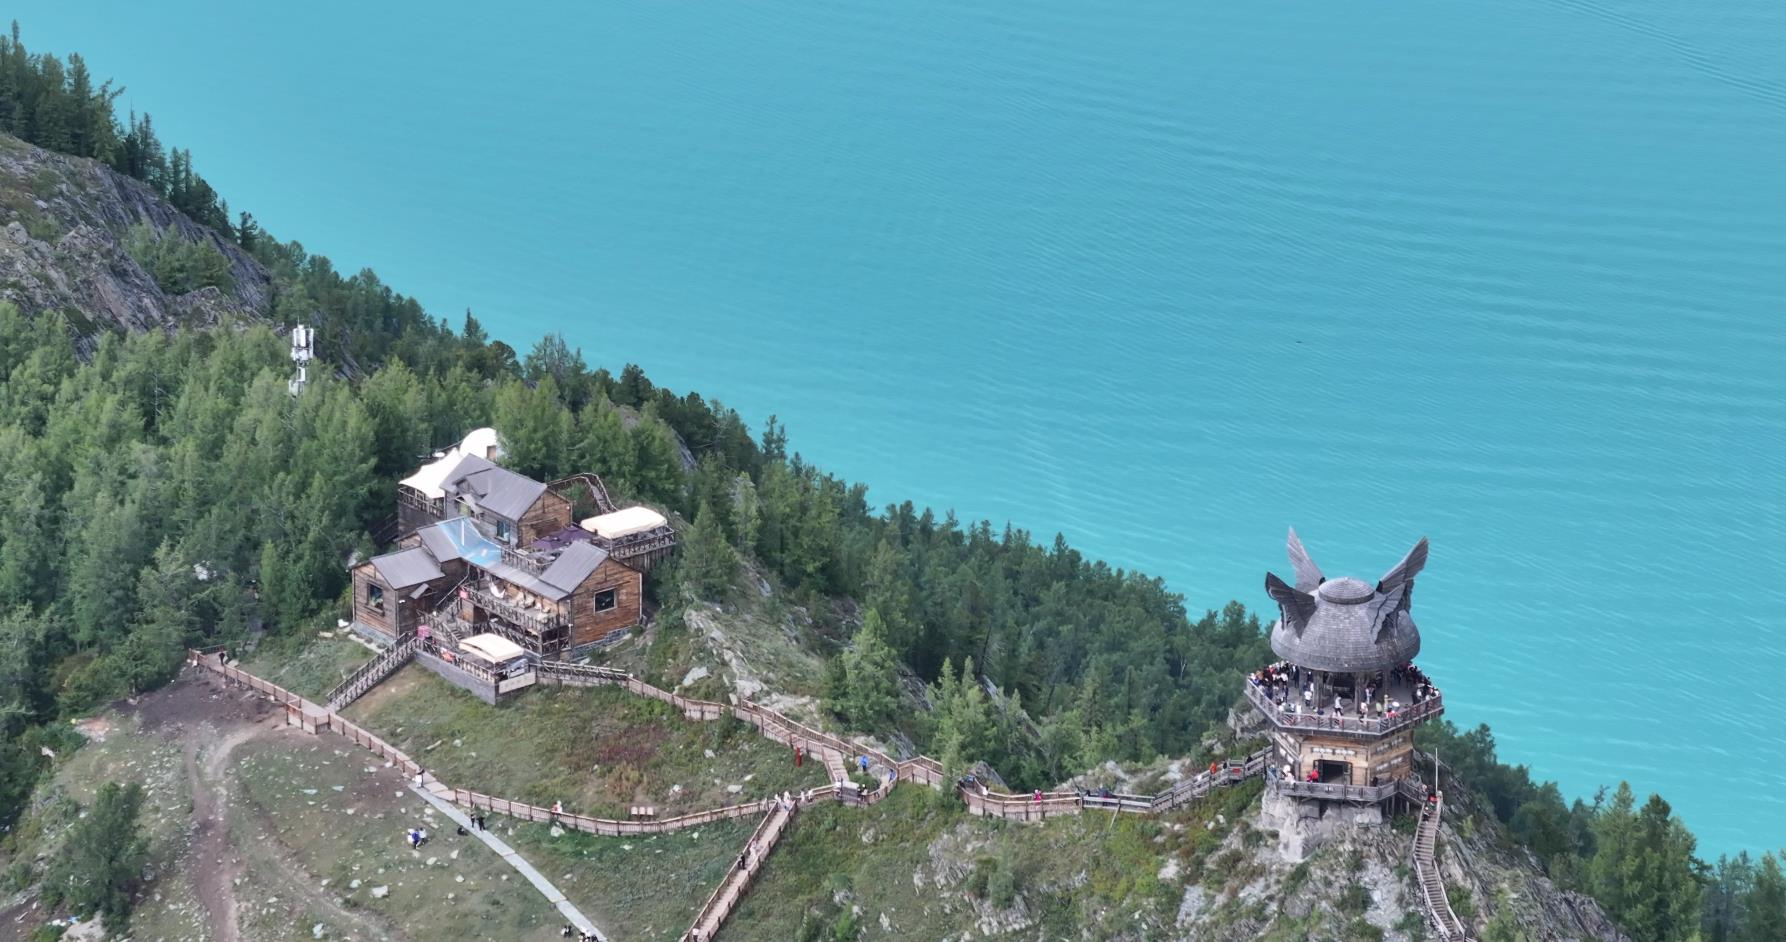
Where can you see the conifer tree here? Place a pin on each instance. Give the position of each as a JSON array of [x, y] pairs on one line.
[[603, 446], [871, 677], [535, 428], [103, 858], [657, 462], [710, 561], [1764, 906], [746, 513]]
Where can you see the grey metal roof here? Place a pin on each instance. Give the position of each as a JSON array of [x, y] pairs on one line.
[[516, 576], [494, 488], [574, 565], [406, 568], [438, 543], [1345, 624]]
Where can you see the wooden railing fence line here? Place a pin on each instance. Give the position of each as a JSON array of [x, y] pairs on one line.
[[978, 799]]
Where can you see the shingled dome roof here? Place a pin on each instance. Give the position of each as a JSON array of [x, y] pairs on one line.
[[1345, 624]]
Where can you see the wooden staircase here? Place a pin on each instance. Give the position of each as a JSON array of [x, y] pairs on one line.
[[1432, 888], [371, 674], [835, 765], [738, 879]]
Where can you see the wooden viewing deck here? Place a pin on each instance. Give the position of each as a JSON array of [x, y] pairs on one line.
[[1342, 724]]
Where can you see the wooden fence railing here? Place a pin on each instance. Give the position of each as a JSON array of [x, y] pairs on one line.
[[605, 827], [774, 726], [1340, 723]]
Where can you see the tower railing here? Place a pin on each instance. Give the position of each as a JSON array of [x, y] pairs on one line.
[[1340, 723]]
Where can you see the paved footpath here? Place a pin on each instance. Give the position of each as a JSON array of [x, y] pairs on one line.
[[515, 860]]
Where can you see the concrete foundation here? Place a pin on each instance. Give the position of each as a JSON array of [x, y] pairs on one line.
[[1304, 824], [464, 680]]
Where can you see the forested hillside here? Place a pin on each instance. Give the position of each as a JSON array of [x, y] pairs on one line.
[[165, 490]]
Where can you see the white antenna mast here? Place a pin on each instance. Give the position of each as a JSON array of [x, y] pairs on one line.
[[303, 348]]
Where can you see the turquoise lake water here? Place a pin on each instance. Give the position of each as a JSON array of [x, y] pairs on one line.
[[1166, 277]]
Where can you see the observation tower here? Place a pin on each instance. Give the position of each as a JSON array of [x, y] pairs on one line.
[[1342, 701]]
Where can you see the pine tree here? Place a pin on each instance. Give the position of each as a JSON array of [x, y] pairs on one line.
[[746, 513], [103, 858], [871, 673], [603, 446], [887, 589], [1764, 906], [657, 462], [535, 428], [708, 560]]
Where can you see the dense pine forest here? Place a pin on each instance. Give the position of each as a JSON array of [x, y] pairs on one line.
[[169, 492]]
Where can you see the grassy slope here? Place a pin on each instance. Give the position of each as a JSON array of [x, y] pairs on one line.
[[599, 750], [911, 860], [644, 889], [170, 907], [311, 669], [320, 807]]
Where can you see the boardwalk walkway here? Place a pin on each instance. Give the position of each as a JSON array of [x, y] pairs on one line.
[[731, 890], [514, 859]]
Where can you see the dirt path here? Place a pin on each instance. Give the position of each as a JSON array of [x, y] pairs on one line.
[[215, 866], [208, 745]]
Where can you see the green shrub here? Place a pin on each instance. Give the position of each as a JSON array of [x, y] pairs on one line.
[[178, 266], [103, 860], [1001, 887]]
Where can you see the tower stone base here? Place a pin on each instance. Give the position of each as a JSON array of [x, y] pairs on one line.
[[1304, 824]]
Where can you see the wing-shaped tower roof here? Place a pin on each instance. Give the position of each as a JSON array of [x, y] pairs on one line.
[[1345, 624]]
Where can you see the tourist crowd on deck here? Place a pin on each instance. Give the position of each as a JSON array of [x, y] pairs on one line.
[[1297, 691]]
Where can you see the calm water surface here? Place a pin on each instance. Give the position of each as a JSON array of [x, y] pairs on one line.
[[1166, 277]]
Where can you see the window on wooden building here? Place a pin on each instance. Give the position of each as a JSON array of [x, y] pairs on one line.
[[606, 599], [375, 597]]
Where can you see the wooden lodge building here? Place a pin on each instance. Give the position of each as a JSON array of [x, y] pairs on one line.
[[489, 551]]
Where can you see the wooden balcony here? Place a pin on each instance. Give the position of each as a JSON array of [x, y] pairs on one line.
[[416, 500], [526, 562], [1331, 723], [537, 621]]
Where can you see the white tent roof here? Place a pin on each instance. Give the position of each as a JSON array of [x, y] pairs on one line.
[[493, 648], [428, 478], [625, 522]]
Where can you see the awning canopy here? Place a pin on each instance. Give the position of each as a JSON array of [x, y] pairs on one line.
[[625, 522], [492, 648]]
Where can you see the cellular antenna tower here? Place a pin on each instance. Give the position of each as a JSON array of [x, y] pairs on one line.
[[303, 341]]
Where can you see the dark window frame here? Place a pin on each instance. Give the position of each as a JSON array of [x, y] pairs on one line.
[[611, 595]]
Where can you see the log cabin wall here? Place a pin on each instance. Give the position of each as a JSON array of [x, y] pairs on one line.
[[549, 514], [364, 611], [628, 586]]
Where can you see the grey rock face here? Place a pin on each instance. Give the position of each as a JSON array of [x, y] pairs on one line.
[[66, 220]]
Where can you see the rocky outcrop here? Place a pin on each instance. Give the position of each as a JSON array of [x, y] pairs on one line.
[[63, 222]]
